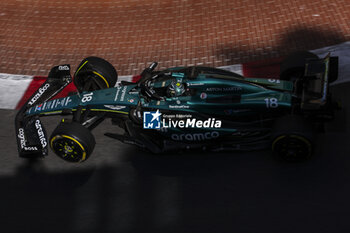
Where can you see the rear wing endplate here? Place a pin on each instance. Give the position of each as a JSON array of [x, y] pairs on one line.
[[320, 73]]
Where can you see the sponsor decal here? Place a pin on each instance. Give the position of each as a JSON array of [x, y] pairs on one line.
[[39, 94], [40, 133], [117, 94], [191, 123], [151, 120], [195, 136], [179, 106], [63, 68], [203, 95], [67, 100], [53, 104], [131, 100], [115, 107], [48, 105], [63, 102], [195, 84], [38, 107], [21, 137], [23, 141], [223, 89], [33, 148], [123, 94]]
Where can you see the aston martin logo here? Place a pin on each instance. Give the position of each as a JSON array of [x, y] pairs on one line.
[[115, 107]]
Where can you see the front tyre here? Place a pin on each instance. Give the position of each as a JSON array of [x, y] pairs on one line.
[[72, 142], [95, 73]]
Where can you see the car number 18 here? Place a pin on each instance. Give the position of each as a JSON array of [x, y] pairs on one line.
[[271, 102]]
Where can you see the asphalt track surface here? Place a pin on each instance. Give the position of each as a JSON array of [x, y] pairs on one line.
[[122, 189]]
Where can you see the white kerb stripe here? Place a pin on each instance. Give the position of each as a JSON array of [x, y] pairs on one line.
[[12, 88], [237, 68], [127, 78]]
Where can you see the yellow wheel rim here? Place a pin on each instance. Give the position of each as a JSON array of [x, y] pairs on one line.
[[68, 148], [292, 142]]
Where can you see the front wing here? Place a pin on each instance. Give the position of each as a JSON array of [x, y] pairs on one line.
[[31, 136]]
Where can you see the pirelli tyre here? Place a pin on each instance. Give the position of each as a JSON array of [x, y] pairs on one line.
[[72, 142], [292, 139], [293, 66], [94, 73]]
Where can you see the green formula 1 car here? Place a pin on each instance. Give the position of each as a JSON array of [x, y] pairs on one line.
[[182, 108]]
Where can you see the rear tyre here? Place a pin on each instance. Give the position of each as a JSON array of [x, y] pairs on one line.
[[292, 139], [95, 73], [72, 142], [293, 67]]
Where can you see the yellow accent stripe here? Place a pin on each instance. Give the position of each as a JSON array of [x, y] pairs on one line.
[[65, 136], [107, 110], [49, 113], [81, 67], [101, 77], [103, 110]]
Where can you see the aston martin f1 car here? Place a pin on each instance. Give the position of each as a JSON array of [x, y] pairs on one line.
[[182, 108]]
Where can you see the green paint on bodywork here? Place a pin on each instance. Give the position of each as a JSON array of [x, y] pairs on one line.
[[273, 83], [207, 93]]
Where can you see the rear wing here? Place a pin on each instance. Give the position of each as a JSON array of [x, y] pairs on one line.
[[30, 133], [319, 74]]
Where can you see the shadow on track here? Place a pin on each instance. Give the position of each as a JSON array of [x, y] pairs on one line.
[[128, 190], [288, 41], [36, 200]]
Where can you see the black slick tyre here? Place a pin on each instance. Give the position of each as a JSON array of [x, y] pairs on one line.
[[94, 73], [72, 142], [292, 139]]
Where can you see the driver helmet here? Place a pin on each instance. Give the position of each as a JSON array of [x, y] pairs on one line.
[[176, 88]]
